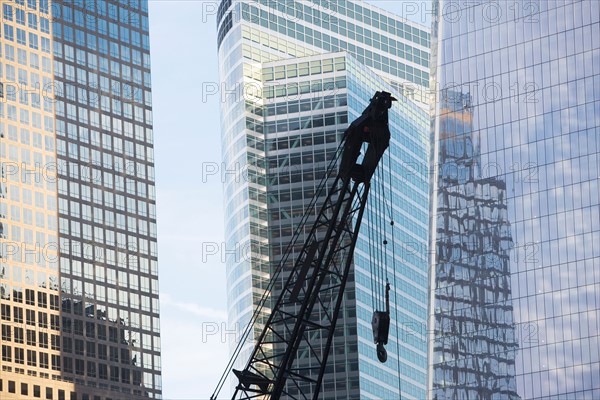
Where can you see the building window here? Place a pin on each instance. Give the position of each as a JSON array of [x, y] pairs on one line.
[[32, 358], [6, 353]]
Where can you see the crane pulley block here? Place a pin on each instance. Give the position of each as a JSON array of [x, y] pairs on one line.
[[370, 128], [381, 326]]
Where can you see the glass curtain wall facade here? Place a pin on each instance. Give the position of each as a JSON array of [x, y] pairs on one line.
[[78, 202], [294, 74], [515, 200]]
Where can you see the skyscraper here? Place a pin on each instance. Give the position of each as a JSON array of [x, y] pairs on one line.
[[515, 205], [79, 272], [294, 75]]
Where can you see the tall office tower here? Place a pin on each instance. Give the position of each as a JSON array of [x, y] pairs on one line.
[[79, 268], [294, 75], [531, 71]]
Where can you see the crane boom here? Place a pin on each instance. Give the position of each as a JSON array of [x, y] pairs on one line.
[[290, 355]]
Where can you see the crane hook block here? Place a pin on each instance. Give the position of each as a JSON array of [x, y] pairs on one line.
[[381, 330], [381, 326]]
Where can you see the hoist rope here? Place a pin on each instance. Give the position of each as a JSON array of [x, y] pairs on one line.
[[396, 304], [370, 234]]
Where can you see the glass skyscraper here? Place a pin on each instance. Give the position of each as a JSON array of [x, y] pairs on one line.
[[293, 76], [515, 200], [78, 273]]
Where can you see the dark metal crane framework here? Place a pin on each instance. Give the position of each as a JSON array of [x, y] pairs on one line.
[[290, 356]]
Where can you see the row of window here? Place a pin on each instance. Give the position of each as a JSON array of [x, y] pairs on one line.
[[82, 14], [305, 140], [26, 98], [36, 391], [125, 85], [139, 321], [316, 121], [30, 317], [115, 126], [22, 56], [124, 298], [90, 172], [26, 140], [95, 62], [99, 96], [30, 295], [140, 207], [92, 160], [24, 38], [92, 232], [31, 337], [309, 104], [135, 241], [86, 116], [143, 335], [23, 115], [28, 217], [109, 276], [314, 67], [39, 253], [75, 326], [102, 216], [110, 199], [33, 5], [112, 276], [118, 257], [44, 280], [18, 15], [70, 365], [295, 90], [50, 393], [120, 33]]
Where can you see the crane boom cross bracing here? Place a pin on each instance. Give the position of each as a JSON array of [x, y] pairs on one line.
[[293, 348]]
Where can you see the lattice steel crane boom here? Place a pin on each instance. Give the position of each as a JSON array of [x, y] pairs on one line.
[[290, 355]]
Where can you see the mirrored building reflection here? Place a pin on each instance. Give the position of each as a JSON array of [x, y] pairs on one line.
[[474, 344], [532, 72]]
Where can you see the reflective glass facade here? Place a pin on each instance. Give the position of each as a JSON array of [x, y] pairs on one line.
[[515, 200], [294, 74], [79, 222]]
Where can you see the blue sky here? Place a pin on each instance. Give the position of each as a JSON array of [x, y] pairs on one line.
[[190, 212]]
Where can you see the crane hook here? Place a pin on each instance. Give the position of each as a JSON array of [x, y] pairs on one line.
[[381, 352]]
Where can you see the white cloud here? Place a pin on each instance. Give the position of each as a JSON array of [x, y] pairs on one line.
[[214, 314]]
